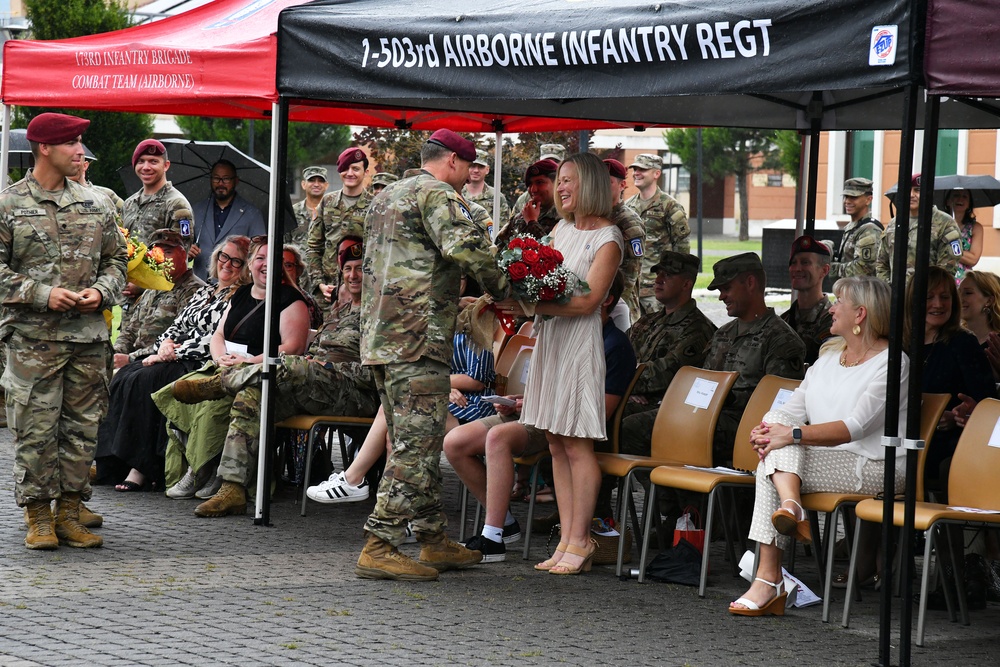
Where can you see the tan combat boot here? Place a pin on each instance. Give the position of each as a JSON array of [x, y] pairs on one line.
[[381, 560], [41, 534], [68, 527], [90, 519], [201, 389], [443, 554], [231, 498]]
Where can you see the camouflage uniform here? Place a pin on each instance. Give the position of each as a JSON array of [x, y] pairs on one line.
[[336, 219], [485, 199], [812, 326], [766, 347], [303, 219], [858, 249], [946, 245], [152, 314], [332, 382], [167, 209], [481, 218], [547, 219], [666, 229], [419, 241], [56, 379], [634, 233], [664, 342]]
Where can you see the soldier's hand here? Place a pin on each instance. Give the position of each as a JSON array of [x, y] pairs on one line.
[[326, 291], [62, 299], [120, 359], [531, 211], [89, 301], [194, 251]]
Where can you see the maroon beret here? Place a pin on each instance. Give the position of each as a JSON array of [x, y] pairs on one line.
[[915, 181], [616, 168], [807, 243], [456, 143], [148, 147], [349, 157], [351, 249], [547, 167], [55, 128]]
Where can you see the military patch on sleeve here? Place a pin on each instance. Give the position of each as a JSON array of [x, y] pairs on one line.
[[956, 248], [868, 254], [185, 227], [465, 211], [636, 245]]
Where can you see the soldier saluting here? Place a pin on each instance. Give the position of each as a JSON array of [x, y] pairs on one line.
[[61, 259]]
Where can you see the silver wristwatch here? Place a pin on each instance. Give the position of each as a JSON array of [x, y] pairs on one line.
[[797, 435]]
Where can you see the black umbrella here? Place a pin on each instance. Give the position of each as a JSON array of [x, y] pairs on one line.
[[20, 151], [191, 165], [985, 190]]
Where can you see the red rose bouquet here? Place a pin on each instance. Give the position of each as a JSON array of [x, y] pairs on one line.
[[536, 271]]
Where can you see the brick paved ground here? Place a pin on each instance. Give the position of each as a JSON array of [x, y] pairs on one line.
[[172, 589]]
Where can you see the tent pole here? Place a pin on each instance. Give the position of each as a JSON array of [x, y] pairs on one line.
[[701, 201], [497, 174], [5, 145], [810, 222], [275, 231], [891, 439], [916, 351]]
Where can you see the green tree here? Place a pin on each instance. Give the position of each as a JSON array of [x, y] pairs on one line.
[[308, 143], [111, 136], [737, 151], [789, 143]]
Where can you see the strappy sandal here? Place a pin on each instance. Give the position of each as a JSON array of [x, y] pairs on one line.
[[774, 607], [588, 559], [549, 563], [791, 525]]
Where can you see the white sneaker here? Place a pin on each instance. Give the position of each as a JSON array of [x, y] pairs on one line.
[[211, 487], [184, 488], [338, 490]]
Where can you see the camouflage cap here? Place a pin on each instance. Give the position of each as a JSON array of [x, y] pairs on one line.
[[384, 178], [647, 161], [313, 172], [677, 263], [167, 237], [482, 157], [555, 152], [806, 243], [729, 268], [856, 187]]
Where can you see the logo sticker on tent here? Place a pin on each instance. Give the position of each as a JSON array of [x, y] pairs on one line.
[[883, 45]]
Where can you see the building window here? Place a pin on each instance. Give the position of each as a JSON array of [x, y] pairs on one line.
[[947, 153], [861, 161]]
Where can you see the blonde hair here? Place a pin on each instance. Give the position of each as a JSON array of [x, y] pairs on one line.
[[988, 285], [242, 243], [875, 297], [594, 192]]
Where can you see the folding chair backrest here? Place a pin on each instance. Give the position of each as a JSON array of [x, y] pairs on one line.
[[972, 481], [931, 408], [510, 351], [527, 328], [683, 432], [761, 401], [616, 419], [500, 338], [518, 374]]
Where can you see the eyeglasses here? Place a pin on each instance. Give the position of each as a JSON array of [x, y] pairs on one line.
[[291, 266], [234, 262], [223, 179]]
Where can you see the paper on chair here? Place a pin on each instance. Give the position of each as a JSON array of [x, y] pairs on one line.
[[781, 398], [524, 372], [973, 510], [701, 393], [995, 437]]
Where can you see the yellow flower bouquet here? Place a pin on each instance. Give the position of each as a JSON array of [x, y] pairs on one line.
[[148, 268]]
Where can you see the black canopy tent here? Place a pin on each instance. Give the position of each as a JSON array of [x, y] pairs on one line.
[[836, 65]]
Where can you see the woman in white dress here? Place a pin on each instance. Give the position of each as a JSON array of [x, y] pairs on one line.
[[564, 395], [827, 437]]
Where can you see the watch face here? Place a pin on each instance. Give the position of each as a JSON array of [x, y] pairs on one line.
[[796, 434]]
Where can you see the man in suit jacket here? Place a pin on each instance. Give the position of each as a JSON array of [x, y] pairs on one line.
[[223, 214]]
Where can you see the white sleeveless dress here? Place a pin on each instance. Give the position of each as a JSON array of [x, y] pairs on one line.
[[565, 388]]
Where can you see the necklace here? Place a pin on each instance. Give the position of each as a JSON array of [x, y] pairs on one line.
[[843, 357]]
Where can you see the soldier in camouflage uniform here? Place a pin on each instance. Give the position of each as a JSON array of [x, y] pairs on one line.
[[157, 205], [862, 235], [946, 239], [157, 309], [382, 179], [329, 380], [314, 185], [476, 191], [756, 343], [117, 203], [62, 259], [665, 219], [809, 315], [634, 233], [676, 335], [539, 215], [419, 241], [343, 214], [554, 152]]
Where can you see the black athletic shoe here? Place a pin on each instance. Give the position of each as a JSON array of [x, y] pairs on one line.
[[493, 552], [512, 533]]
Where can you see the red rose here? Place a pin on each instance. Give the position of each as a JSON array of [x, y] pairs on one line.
[[516, 243], [559, 256], [530, 256], [548, 252], [538, 270], [561, 287], [546, 294], [548, 266], [518, 271], [532, 243]]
